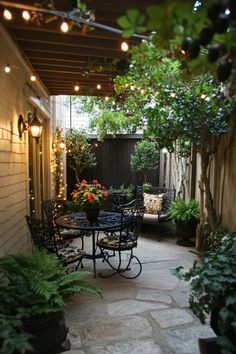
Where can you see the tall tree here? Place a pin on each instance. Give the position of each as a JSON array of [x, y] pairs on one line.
[[79, 152]]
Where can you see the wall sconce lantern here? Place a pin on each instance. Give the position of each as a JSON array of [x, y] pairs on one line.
[[35, 126]]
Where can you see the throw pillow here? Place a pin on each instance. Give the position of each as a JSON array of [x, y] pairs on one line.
[[152, 203]]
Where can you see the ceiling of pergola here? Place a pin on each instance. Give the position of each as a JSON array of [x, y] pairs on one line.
[[61, 60]]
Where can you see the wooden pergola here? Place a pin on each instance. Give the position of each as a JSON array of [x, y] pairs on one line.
[[85, 55]]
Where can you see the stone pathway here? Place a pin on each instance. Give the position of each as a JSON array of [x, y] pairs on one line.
[[147, 315]]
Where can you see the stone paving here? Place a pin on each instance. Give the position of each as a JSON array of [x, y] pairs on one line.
[[147, 315]]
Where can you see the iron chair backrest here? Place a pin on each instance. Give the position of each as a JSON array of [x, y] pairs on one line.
[[54, 208], [44, 238], [41, 234], [131, 220]]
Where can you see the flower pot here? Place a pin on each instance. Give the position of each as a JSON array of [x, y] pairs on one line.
[[92, 214], [186, 232], [49, 333]]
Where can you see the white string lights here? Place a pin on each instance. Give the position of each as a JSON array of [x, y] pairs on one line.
[[77, 16]]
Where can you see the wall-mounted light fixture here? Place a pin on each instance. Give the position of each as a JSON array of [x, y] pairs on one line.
[[35, 126]]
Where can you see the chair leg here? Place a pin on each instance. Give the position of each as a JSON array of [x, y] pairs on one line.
[[123, 272], [159, 231]]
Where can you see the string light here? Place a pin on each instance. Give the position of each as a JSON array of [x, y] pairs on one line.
[[132, 87], [58, 148], [124, 47], [26, 15], [106, 98], [99, 86], [7, 15], [33, 78], [76, 87], [142, 91], [203, 95], [7, 69], [173, 94], [64, 27]]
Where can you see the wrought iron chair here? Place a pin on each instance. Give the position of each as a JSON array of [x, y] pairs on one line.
[[43, 237], [54, 208], [123, 242]]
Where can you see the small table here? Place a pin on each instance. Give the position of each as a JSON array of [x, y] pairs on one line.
[[107, 221]]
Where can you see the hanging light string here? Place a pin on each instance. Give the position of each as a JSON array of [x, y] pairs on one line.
[[68, 16]]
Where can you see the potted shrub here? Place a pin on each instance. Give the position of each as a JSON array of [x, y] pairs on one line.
[[213, 291], [186, 216], [33, 291]]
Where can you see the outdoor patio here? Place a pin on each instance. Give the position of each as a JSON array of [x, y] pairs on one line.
[[148, 314]]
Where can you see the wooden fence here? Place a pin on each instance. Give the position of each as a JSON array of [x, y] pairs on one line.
[[113, 164]]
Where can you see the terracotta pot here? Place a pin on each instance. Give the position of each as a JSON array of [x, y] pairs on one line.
[[92, 214]]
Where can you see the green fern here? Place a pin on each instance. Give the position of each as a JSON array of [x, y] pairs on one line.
[[181, 210], [32, 285]]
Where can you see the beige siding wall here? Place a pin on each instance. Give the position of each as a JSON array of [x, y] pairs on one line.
[[14, 100]]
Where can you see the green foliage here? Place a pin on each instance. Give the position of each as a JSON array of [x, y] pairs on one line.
[[33, 285], [110, 122], [213, 285], [145, 157], [132, 22], [127, 192], [147, 187], [181, 210], [211, 239], [79, 152]]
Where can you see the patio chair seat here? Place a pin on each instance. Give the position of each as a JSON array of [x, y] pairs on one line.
[[69, 254], [123, 242]]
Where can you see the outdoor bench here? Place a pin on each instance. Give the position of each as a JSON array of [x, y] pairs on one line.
[[157, 201]]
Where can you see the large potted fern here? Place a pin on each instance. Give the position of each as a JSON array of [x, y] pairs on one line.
[[186, 216], [33, 291]]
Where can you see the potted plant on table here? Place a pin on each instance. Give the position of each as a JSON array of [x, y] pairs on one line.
[[33, 291], [186, 216], [89, 197], [213, 291]]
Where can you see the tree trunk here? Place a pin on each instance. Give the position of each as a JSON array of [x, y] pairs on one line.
[[205, 194], [145, 174]]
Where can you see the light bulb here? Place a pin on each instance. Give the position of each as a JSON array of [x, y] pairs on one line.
[[142, 91], [7, 15], [124, 47], [76, 87], [173, 94], [26, 15], [132, 88], [64, 27], [203, 96], [7, 69], [33, 78], [99, 86], [106, 98]]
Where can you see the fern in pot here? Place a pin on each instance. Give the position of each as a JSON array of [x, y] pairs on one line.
[[186, 215], [33, 291]]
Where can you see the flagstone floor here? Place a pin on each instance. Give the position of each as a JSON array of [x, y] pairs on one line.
[[146, 315]]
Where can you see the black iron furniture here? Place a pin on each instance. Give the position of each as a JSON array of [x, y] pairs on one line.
[[43, 237], [54, 208], [123, 241], [107, 222], [156, 217]]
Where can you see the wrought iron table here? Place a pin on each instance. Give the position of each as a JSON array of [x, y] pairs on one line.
[[107, 221]]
